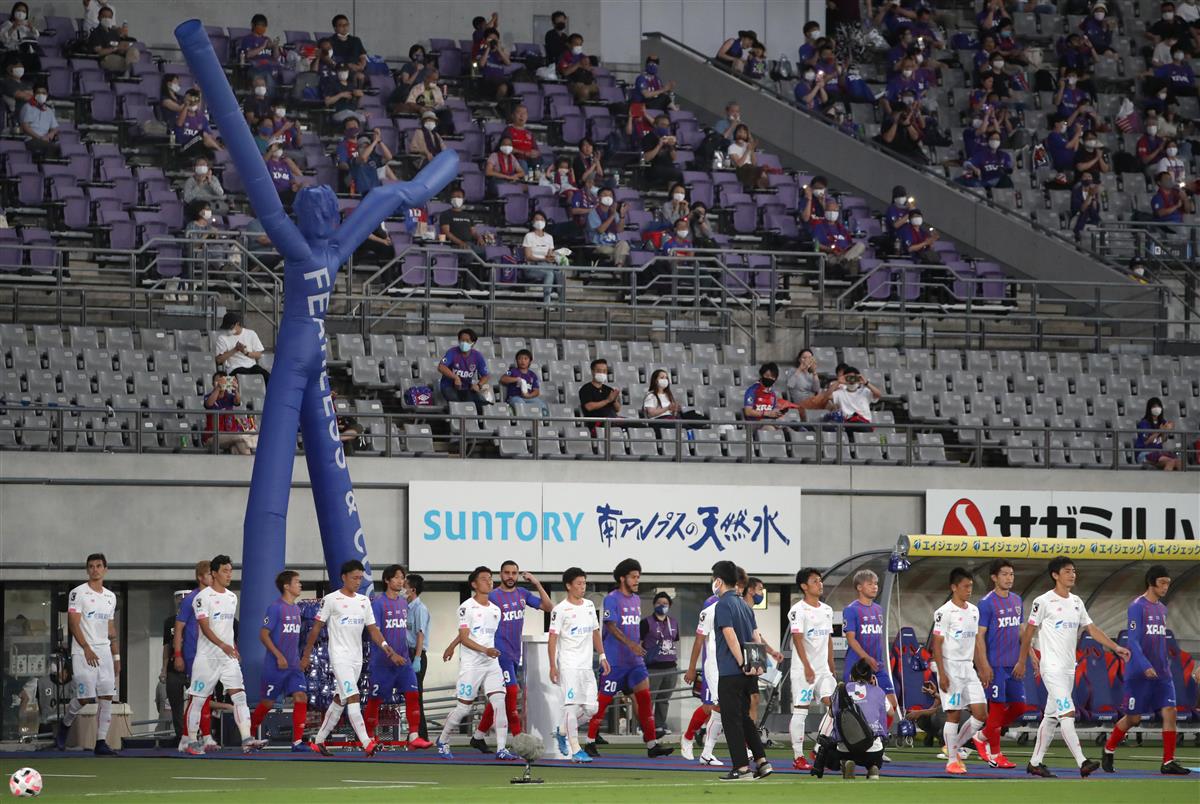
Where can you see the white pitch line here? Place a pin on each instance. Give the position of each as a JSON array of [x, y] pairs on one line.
[[375, 787], [385, 781], [219, 778], [68, 776]]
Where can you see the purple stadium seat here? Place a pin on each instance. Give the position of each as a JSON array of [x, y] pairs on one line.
[[41, 259], [61, 82], [296, 37], [516, 205], [611, 94], [785, 225], [31, 187], [120, 228], [879, 282], [412, 271], [701, 187], [445, 269]]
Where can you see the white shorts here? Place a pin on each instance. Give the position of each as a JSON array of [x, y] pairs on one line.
[[711, 676], [965, 687], [578, 687], [1060, 686], [805, 694], [92, 682], [487, 679], [345, 678], [208, 671]]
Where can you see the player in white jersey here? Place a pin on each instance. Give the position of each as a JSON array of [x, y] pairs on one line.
[[811, 624], [479, 665], [574, 640], [217, 659], [709, 712], [346, 613], [954, 649], [95, 657], [1055, 618]]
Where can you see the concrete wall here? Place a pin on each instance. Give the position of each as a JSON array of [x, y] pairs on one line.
[[612, 28]]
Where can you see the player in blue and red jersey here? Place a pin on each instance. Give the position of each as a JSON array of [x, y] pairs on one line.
[[862, 625], [1001, 615], [759, 401], [1149, 685], [623, 648], [281, 673], [512, 601], [389, 680]]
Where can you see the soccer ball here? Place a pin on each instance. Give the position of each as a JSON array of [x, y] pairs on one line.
[[25, 783]]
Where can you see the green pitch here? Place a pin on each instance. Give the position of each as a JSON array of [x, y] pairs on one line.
[[184, 780]]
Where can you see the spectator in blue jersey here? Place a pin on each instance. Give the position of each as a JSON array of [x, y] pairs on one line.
[[1149, 680], [281, 674], [1076, 53], [1001, 616], [285, 174], [464, 372], [761, 402], [1008, 45], [734, 51], [899, 53], [866, 639], [660, 638], [193, 134], [925, 29], [895, 217], [341, 97], [894, 18], [988, 167], [679, 241], [605, 222], [810, 90], [807, 52], [1153, 430], [1076, 104], [650, 89], [990, 18], [626, 658], [260, 53], [1062, 144], [872, 703], [183, 653], [1170, 203], [1085, 204], [576, 68], [369, 167], [812, 205], [837, 242], [1177, 76], [521, 386], [1099, 30]]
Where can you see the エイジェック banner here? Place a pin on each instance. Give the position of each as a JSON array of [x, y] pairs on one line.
[[1063, 514], [551, 526]]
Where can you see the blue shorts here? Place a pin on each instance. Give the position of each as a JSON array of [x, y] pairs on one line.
[[511, 670], [623, 679], [1146, 696], [387, 679], [277, 683], [1004, 688]]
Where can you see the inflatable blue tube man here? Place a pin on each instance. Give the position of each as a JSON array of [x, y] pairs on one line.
[[298, 395]]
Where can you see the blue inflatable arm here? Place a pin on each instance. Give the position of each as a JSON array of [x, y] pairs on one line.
[[386, 199], [223, 105]]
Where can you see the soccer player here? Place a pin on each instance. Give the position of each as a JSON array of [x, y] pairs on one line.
[[391, 615], [512, 601], [479, 666], [1149, 685], [1055, 618], [1001, 615], [955, 651], [811, 626], [574, 638], [708, 714], [862, 625], [95, 657], [627, 672], [281, 675], [346, 613], [217, 659], [184, 654]]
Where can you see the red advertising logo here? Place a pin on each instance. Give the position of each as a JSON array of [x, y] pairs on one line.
[[964, 519]]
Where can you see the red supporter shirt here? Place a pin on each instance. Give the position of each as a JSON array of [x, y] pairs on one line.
[[522, 140]]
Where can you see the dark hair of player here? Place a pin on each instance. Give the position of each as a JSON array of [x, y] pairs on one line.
[[96, 557], [725, 572], [352, 565], [416, 583], [475, 573], [572, 573], [1154, 573], [391, 571], [803, 575], [507, 563], [1059, 563], [284, 578], [957, 575], [220, 561], [625, 567], [999, 564]]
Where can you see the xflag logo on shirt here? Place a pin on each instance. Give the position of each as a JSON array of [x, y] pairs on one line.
[[964, 519]]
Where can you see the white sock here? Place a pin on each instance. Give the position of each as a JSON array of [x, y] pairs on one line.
[[968, 730], [195, 705], [712, 731], [950, 735], [571, 727], [1045, 736], [103, 718], [1067, 726], [796, 729], [500, 723], [458, 714], [478, 735], [72, 711], [241, 713], [332, 715], [354, 712]]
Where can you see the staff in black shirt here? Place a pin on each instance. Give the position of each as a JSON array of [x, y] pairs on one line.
[[348, 50], [596, 398], [459, 228], [557, 38], [176, 680]]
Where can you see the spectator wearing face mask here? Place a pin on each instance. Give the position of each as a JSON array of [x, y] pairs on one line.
[[597, 399], [562, 179], [557, 40], [285, 174], [604, 225], [503, 165], [40, 125], [426, 95], [917, 240], [658, 149], [347, 149], [733, 116], [1076, 53], [538, 248], [735, 51], [1085, 204], [458, 226], [193, 132], [19, 36], [702, 234], [1091, 158], [851, 402], [113, 45], [895, 217], [743, 155], [761, 402], [1153, 430], [521, 384], [807, 52], [1170, 203], [660, 405], [1062, 144], [425, 142], [203, 185], [676, 205], [1161, 54], [14, 89], [836, 242], [1007, 44], [812, 206], [409, 76], [464, 372], [524, 145], [202, 253], [1178, 76], [1099, 30], [1076, 104], [285, 131], [260, 52], [588, 164], [905, 82], [988, 167], [580, 205], [170, 99], [810, 91], [493, 62], [649, 90], [659, 635], [370, 166], [1171, 163], [575, 68], [1169, 25], [348, 50], [341, 97], [258, 104], [902, 133], [679, 242]]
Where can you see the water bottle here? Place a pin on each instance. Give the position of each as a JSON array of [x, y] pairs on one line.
[[718, 161]]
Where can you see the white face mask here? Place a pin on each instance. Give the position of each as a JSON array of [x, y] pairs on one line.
[[682, 234], [831, 215], [1162, 96], [343, 75], [677, 197], [1156, 412], [1177, 55], [19, 16], [18, 72], [430, 125], [206, 214], [107, 22], [1099, 15], [173, 87], [716, 587], [819, 192], [606, 200], [456, 203], [539, 225], [600, 377], [920, 57], [41, 98], [1172, 151], [906, 73], [506, 149], [899, 200], [810, 76], [663, 382], [280, 112], [1168, 15], [997, 66], [201, 170], [994, 144], [577, 50], [260, 92], [1151, 130], [1071, 81], [917, 221], [1090, 145]]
